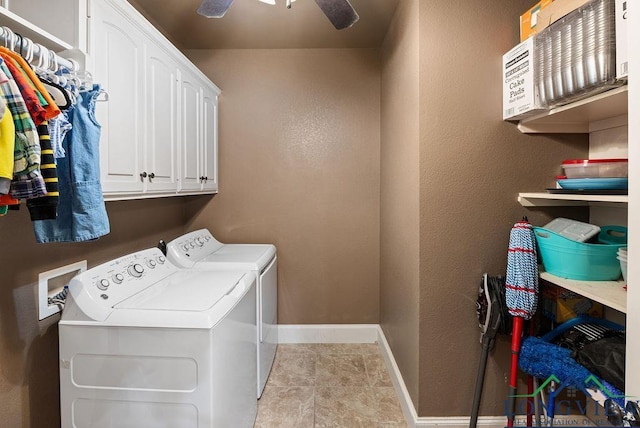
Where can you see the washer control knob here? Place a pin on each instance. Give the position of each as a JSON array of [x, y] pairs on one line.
[[185, 247], [161, 259], [135, 270], [117, 278], [192, 245], [151, 263], [199, 241], [103, 284]]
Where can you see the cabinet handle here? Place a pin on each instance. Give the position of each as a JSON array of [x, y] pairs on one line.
[[201, 178], [143, 174], [206, 179], [152, 176]]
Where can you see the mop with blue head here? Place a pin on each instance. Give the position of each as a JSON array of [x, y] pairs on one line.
[[521, 292]]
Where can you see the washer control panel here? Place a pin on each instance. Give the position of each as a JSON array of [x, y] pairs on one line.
[[192, 247], [97, 290]]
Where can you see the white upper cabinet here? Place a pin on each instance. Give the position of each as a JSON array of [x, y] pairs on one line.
[[156, 140], [191, 124], [199, 124], [161, 155], [118, 66], [209, 156]]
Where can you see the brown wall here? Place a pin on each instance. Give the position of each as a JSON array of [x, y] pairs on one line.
[[472, 166], [29, 395], [400, 192], [299, 167], [303, 150]]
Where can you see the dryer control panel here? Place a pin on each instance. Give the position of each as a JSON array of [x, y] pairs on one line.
[[97, 290], [192, 247]]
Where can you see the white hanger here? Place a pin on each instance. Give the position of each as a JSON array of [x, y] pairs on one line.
[[29, 55], [8, 37]]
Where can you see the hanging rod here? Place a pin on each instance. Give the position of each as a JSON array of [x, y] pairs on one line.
[[35, 53]]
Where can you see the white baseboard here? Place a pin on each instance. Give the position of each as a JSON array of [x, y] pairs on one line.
[[371, 333], [328, 333]]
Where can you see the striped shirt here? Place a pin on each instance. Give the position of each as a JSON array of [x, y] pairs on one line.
[[27, 181], [45, 207]]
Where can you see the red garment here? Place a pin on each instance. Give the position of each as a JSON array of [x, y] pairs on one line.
[[52, 110], [37, 112]]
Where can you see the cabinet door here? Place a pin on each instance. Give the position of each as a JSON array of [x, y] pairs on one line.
[[190, 123], [117, 48], [209, 150], [161, 114]]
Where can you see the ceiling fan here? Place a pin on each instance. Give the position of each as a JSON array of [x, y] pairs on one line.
[[340, 12]]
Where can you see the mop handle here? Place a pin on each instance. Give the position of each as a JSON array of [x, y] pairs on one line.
[[515, 348], [513, 383]]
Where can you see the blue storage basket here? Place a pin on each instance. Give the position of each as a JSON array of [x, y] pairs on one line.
[[613, 235], [570, 259]]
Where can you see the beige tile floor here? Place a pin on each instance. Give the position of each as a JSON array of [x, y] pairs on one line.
[[329, 385]]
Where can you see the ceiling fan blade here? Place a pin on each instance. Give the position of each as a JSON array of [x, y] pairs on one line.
[[214, 8], [340, 12]]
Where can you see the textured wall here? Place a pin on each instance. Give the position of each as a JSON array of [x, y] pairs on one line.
[[472, 166], [400, 192], [29, 382], [299, 167]]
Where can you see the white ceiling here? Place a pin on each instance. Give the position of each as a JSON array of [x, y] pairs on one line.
[[251, 24]]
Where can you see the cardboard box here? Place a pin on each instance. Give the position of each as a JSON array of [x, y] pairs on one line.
[[622, 55], [560, 305], [519, 96], [529, 20], [555, 11]]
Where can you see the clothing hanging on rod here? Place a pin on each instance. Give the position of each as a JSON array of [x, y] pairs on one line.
[[45, 61], [62, 191], [17, 43]]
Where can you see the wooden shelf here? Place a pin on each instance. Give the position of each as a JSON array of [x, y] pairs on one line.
[[27, 29], [609, 293], [543, 199], [580, 116]]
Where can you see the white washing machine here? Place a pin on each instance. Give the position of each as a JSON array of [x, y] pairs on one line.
[[144, 343], [201, 251]]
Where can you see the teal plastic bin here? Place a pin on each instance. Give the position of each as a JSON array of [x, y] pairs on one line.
[[570, 259]]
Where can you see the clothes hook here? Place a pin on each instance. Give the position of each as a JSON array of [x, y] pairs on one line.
[[9, 38], [52, 61], [75, 66], [20, 40], [29, 56], [41, 55]]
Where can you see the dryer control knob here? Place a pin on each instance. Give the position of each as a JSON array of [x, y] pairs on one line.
[[103, 284], [151, 263], [117, 278], [135, 270], [161, 259]]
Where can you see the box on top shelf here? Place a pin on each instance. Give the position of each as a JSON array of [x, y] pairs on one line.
[[555, 11], [529, 20], [622, 58], [519, 95], [576, 55]]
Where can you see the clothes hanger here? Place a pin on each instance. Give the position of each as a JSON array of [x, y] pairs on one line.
[[60, 95]]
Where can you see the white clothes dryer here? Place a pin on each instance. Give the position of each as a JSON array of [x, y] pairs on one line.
[[144, 343], [201, 251]]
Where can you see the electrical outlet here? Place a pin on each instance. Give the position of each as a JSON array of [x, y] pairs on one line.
[[53, 282]]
